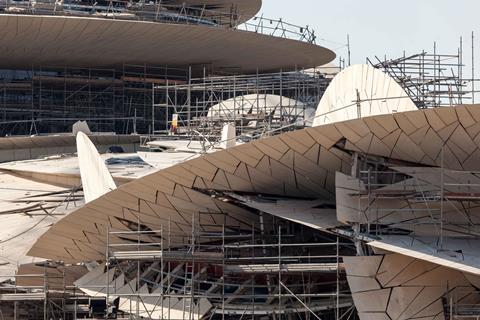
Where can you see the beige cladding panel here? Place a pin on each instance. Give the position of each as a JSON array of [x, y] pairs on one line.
[[415, 288], [296, 173]]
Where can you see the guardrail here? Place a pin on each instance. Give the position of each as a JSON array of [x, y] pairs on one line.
[[142, 11], [279, 28], [158, 12]]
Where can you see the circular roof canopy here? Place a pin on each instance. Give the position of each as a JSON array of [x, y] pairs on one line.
[[361, 91], [246, 9], [256, 104], [27, 41], [263, 104]]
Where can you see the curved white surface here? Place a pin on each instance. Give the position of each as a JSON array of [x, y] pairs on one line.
[[96, 180], [376, 92], [259, 104], [458, 254]]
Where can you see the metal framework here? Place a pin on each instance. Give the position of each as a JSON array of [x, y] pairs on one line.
[[298, 92], [47, 99], [241, 274], [48, 297], [277, 269], [432, 79], [279, 28], [424, 204], [125, 10], [458, 305]]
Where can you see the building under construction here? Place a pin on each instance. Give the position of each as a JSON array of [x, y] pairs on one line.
[[222, 174], [116, 81]]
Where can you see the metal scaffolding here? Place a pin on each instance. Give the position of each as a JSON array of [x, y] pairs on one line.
[[432, 79], [215, 272], [49, 100], [428, 200], [142, 99], [243, 100]]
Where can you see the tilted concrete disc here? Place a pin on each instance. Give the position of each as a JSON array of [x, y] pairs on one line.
[[456, 253], [76, 42], [245, 9], [299, 164], [257, 104], [361, 91], [96, 179]]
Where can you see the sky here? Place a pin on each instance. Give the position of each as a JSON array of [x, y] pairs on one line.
[[386, 27]]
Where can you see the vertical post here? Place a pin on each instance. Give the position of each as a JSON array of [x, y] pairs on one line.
[[167, 97], [169, 264], [348, 50], [161, 268], [257, 86], [75, 309], [370, 188], [40, 92], [189, 96], [45, 298], [15, 302], [204, 98], [153, 108], [435, 71], [279, 272], [107, 264], [64, 294], [281, 97], [192, 273], [337, 309], [234, 99], [32, 111], [90, 95], [138, 269], [359, 105], [223, 269], [135, 122], [114, 102], [460, 72], [253, 275], [442, 178], [473, 67]]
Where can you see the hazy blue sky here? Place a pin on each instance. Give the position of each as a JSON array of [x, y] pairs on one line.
[[379, 27]]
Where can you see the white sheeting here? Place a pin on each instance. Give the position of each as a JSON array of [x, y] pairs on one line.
[[361, 91], [458, 254], [96, 180], [304, 212]]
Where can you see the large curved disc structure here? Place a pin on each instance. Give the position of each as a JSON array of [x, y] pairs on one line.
[[256, 104], [31, 147], [300, 164], [245, 9], [93, 42], [96, 180], [361, 91]]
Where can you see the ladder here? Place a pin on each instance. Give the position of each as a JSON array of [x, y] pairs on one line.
[[188, 303]]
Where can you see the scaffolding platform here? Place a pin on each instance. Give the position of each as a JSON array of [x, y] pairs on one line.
[[291, 268], [23, 296]]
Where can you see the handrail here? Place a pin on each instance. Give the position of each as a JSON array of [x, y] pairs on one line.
[[159, 12], [156, 12], [279, 28]]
